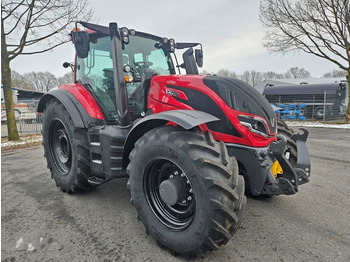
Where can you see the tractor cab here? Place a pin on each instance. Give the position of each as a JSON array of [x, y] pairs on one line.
[[133, 58]]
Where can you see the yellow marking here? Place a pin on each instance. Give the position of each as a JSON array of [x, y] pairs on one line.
[[276, 169]]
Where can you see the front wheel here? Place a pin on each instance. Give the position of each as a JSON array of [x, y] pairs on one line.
[[186, 190]]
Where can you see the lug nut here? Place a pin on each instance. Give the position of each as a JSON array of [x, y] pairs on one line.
[[189, 198], [176, 173], [171, 176]]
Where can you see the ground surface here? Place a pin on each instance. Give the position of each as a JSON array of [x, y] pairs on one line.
[[312, 225]]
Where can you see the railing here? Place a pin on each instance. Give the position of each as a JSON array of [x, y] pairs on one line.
[[27, 120], [30, 126]]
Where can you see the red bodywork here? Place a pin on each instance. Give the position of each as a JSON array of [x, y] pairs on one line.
[[161, 98], [86, 100]]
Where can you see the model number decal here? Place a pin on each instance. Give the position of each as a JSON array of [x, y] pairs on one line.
[[172, 92]]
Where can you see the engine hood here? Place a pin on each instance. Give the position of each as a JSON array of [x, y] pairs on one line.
[[242, 97]]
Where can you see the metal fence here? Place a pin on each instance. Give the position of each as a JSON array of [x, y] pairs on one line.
[[30, 126], [326, 106], [30, 123], [27, 119]]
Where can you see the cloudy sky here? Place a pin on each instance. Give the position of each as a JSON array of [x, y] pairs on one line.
[[229, 30]]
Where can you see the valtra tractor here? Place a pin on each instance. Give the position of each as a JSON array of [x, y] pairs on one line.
[[187, 142]]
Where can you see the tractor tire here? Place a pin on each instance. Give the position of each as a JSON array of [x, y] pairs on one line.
[[186, 190], [66, 149], [284, 129]]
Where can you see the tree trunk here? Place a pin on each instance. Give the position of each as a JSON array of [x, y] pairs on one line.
[[347, 112], [6, 81]]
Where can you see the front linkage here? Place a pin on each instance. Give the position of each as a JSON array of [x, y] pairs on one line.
[[256, 166], [288, 182]]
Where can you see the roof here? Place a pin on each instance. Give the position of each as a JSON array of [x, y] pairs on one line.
[[305, 89], [296, 81]]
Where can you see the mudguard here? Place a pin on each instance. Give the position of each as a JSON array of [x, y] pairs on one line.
[[185, 118], [77, 112]]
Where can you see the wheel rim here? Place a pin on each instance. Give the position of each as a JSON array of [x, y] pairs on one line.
[[320, 112], [179, 215], [60, 148]]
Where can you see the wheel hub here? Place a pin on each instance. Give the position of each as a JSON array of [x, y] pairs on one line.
[[174, 190], [63, 145], [60, 148], [169, 194]]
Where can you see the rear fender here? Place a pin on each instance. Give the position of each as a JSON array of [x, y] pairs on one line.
[[77, 112], [185, 118]]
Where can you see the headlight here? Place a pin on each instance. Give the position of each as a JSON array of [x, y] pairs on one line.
[[254, 124]]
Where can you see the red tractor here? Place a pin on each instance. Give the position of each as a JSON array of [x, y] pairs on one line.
[[186, 142]]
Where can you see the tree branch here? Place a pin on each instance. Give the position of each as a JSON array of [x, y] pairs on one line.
[[312, 26]]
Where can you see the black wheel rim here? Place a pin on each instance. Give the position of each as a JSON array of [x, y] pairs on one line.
[[178, 216], [60, 148]]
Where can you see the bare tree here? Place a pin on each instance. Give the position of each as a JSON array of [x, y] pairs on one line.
[[317, 27], [335, 73], [67, 78], [19, 81], [32, 27], [251, 77], [41, 81], [227, 73], [204, 72], [296, 72], [272, 75]]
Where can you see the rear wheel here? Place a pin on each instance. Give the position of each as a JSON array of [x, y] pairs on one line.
[[66, 149], [186, 190]]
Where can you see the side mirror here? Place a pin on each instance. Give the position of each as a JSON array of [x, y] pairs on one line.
[[199, 57], [81, 43]]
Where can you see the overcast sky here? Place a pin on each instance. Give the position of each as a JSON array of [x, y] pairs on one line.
[[229, 30]]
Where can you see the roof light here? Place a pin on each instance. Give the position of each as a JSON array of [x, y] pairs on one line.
[[125, 31], [126, 40]]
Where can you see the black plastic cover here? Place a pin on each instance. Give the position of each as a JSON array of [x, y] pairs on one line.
[[242, 97]]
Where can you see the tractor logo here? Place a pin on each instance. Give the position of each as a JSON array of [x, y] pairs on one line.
[[172, 92]]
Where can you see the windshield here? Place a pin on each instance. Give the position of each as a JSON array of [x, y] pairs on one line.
[[96, 71], [143, 52]]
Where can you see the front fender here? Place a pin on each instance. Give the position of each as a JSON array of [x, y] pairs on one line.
[[185, 118]]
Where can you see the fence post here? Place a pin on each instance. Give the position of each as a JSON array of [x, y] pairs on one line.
[[324, 105], [313, 107]]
